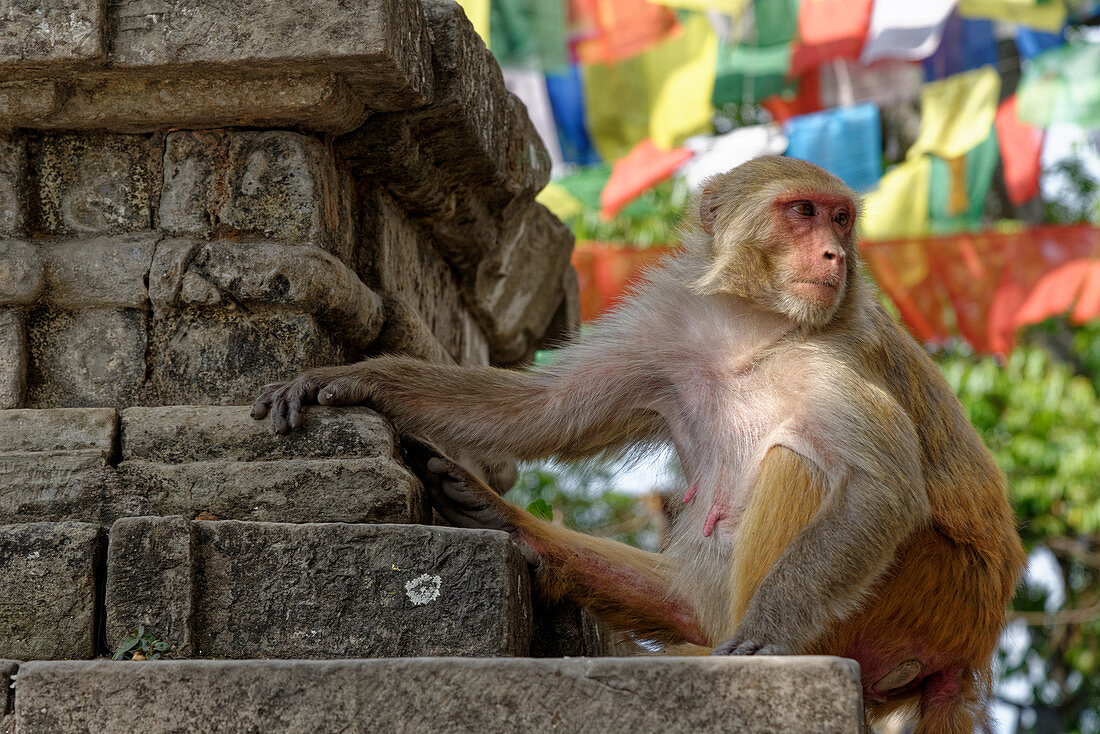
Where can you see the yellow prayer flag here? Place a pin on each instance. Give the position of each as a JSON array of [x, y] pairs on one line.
[[681, 75], [899, 206], [663, 93], [956, 113], [729, 7], [1038, 14], [558, 200], [477, 11]]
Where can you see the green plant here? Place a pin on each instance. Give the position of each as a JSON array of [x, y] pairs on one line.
[[142, 645]]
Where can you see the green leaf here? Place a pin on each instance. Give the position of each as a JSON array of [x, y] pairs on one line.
[[124, 647], [542, 509]]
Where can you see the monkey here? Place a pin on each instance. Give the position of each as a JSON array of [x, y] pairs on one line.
[[839, 501]]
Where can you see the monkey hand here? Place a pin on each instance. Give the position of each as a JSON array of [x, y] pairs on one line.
[[324, 386], [459, 496], [743, 643]]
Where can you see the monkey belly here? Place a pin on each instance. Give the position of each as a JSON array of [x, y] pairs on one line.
[[939, 611]]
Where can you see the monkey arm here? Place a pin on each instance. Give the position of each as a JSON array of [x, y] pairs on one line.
[[590, 400], [824, 572], [627, 587]]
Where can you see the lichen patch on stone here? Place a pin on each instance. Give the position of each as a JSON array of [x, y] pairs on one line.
[[423, 589]]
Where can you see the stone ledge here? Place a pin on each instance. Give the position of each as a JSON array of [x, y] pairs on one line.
[[320, 590], [640, 695], [383, 45], [59, 465]]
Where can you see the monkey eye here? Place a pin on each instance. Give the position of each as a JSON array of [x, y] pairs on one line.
[[804, 208], [841, 219]]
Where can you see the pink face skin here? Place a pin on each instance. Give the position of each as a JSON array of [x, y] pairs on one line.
[[815, 227]]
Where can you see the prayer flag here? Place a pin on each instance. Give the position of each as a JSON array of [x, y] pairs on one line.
[[905, 30], [846, 141], [957, 113], [645, 166], [1021, 147], [829, 29], [899, 206]]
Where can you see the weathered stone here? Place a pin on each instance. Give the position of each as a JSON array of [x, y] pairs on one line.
[[223, 356], [48, 599], [96, 184], [13, 187], [397, 258], [340, 467], [475, 129], [275, 184], [180, 434], [56, 31], [299, 278], [340, 590], [404, 331], [60, 431], [88, 358], [564, 629], [24, 102], [751, 695], [51, 463], [13, 359], [384, 42], [285, 490], [8, 670], [516, 293], [566, 323], [475, 347], [124, 102], [99, 272], [21, 275], [151, 573]]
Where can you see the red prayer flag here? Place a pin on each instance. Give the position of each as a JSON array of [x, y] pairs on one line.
[[806, 101], [991, 284], [606, 272], [1021, 145], [642, 168], [607, 31], [829, 29]]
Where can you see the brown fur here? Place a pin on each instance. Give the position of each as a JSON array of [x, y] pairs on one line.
[[844, 505]]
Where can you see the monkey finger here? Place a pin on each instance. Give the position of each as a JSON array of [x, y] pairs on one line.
[[263, 400]]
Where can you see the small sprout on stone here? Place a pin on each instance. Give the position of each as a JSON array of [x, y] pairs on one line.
[[142, 645]]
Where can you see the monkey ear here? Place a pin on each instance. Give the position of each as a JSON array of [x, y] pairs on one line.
[[708, 207]]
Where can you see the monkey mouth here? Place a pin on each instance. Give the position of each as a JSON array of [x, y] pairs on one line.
[[821, 283]]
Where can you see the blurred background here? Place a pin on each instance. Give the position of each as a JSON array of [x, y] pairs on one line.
[[971, 128]]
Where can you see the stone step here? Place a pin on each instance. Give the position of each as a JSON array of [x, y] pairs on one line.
[[88, 465], [274, 590], [411, 695], [231, 589]]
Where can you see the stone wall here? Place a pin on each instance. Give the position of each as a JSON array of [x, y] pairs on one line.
[[198, 198]]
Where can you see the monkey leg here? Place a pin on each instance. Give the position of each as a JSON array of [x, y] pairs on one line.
[[627, 587]]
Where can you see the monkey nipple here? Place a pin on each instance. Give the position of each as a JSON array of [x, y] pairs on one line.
[[690, 494], [717, 514]]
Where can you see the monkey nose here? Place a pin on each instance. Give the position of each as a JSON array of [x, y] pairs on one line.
[[833, 254]]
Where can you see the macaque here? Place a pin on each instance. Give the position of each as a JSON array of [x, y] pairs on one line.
[[839, 502]]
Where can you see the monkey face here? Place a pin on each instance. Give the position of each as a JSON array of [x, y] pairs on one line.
[[781, 235], [812, 231]]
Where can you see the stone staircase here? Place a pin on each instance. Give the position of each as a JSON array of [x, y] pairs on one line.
[[197, 198]]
